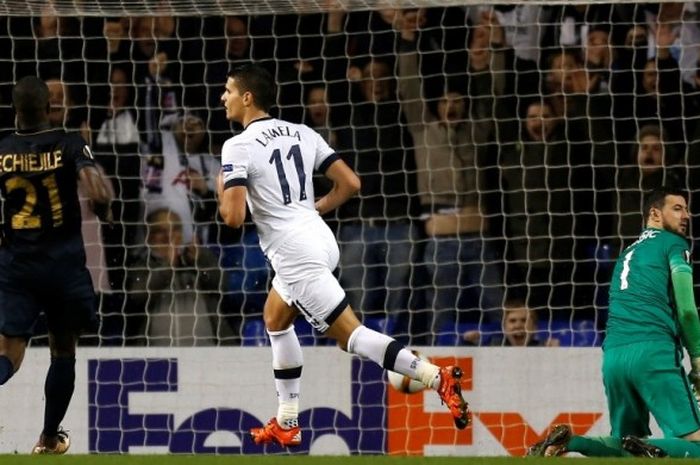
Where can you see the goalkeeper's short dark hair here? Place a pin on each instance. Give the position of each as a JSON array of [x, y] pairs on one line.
[[258, 81], [657, 197]]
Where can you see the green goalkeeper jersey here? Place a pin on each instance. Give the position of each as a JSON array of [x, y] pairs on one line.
[[642, 306]]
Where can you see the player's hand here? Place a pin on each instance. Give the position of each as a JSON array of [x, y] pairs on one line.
[[336, 16], [103, 212], [109, 217], [694, 375], [472, 337]]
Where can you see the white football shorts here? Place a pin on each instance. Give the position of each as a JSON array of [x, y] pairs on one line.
[[303, 266]]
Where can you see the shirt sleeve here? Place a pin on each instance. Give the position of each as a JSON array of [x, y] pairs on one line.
[[325, 155], [235, 164], [78, 152], [682, 281]]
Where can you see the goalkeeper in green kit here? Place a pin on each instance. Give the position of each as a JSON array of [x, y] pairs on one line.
[[652, 316]]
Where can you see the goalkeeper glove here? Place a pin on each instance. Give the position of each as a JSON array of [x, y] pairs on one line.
[[694, 375]]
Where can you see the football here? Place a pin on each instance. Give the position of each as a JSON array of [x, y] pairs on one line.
[[403, 383]]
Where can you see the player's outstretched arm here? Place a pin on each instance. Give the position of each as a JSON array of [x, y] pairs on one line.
[[98, 190], [345, 185], [232, 202]]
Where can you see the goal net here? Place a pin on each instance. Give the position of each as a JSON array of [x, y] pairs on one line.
[[503, 151]]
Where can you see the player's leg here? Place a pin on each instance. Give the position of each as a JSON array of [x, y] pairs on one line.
[[18, 315], [673, 447], [305, 270], [663, 385], [12, 350], [58, 391], [287, 361], [559, 441], [597, 446], [356, 338], [627, 409], [69, 310]]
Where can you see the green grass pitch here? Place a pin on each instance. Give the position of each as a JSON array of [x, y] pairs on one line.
[[307, 460]]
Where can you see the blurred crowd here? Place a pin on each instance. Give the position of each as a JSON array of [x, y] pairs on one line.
[[503, 153]]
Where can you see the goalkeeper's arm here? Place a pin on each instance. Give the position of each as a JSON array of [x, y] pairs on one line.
[[682, 279]]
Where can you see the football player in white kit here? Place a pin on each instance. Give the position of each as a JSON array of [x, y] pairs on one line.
[[270, 166]]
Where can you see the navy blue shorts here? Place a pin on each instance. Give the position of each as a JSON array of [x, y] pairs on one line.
[[57, 283]]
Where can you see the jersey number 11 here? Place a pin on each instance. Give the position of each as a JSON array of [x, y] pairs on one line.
[[276, 158]]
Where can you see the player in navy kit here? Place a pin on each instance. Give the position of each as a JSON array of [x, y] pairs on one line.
[[42, 256]]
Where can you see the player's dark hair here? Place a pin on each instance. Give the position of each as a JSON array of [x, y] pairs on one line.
[[657, 197], [258, 81], [30, 97]]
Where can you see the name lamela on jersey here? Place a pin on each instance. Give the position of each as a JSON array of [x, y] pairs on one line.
[[268, 135], [30, 162]]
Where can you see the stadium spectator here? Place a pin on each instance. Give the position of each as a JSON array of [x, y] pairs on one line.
[[538, 210], [107, 46], [577, 97], [155, 77], [117, 147], [681, 19], [185, 185], [576, 93], [464, 270], [317, 113], [201, 168], [174, 289], [518, 329], [288, 45], [652, 163], [48, 45], [377, 231], [598, 56], [626, 83], [571, 26], [524, 29], [662, 99], [369, 33], [232, 47], [63, 112]]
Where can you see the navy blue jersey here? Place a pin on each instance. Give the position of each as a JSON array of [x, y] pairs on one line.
[[39, 187]]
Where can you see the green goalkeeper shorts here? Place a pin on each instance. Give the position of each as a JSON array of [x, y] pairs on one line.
[[645, 378]]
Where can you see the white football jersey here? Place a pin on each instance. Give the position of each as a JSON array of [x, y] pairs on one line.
[[276, 160]]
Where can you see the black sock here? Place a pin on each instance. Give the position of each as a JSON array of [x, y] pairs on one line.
[[60, 381], [6, 369]]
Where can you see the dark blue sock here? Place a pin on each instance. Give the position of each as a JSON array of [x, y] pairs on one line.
[[6, 369], [60, 381]]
